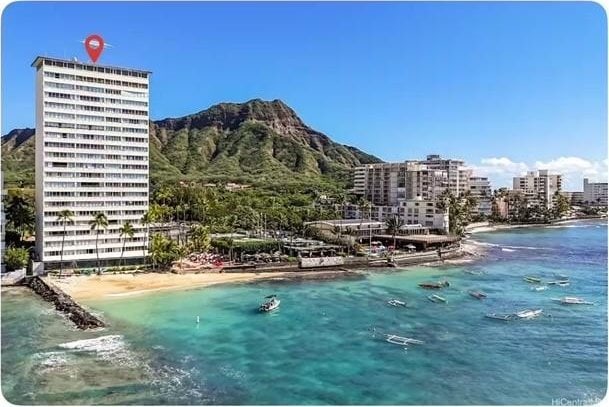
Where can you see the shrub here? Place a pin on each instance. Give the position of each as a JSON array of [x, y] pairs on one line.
[[16, 258]]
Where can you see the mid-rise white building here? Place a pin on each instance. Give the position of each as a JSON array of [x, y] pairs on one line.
[[92, 125], [480, 188], [595, 193], [539, 187], [457, 173]]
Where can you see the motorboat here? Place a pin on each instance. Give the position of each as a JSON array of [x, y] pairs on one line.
[[572, 300], [436, 298], [540, 288], [271, 304], [434, 285], [528, 313], [562, 283], [396, 303], [477, 294], [530, 279], [501, 317]]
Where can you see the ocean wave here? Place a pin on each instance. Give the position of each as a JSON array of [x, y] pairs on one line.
[[503, 249], [101, 344], [51, 360], [500, 246]]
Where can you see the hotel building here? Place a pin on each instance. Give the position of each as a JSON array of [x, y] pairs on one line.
[[480, 188], [92, 125], [539, 187], [457, 173], [595, 193]]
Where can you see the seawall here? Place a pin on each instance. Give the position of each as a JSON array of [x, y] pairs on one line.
[[82, 318]]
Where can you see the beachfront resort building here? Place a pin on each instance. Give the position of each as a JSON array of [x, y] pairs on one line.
[[457, 173], [480, 188], [411, 190], [595, 193], [92, 125], [538, 187]]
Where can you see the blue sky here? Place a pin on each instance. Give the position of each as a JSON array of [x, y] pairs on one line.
[[505, 86]]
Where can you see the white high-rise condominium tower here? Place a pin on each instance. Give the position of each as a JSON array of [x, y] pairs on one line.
[[91, 157]]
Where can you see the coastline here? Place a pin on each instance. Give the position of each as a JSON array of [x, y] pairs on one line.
[[88, 288], [499, 227], [91, 288]]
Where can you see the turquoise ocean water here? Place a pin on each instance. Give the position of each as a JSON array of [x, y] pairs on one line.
[[318, 348]]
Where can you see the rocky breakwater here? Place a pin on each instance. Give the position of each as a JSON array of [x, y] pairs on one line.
[[64, 303]]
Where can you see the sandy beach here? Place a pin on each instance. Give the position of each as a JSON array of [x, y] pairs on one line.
[[120, 285]]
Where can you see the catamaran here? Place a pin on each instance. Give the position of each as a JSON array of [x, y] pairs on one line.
[[502, 317], [436, 298], [271, 303], [396, 303], [528, 313], [572, 300]]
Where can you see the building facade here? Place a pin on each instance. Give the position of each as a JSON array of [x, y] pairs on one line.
[[595, 193], [92, 125], [480, 188], [539, 187], [457, 174]]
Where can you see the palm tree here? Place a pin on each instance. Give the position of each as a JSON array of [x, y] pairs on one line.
[[126, 231], [99, 221], [65, 217], [393, 225]]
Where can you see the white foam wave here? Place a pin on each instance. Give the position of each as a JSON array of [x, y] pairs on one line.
[[51, 360], [102, 344], [503, 249], [500, 246]]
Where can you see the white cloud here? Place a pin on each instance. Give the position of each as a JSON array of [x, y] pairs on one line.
[[501, 170]]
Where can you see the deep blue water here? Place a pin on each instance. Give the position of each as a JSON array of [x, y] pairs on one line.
[[318, 348]]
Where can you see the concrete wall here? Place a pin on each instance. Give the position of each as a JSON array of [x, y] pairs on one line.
[[321, 262]]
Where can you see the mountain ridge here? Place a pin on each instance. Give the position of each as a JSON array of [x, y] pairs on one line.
[[255, 141]]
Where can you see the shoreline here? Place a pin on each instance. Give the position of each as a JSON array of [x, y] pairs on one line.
[[501, 226], [106, 287]]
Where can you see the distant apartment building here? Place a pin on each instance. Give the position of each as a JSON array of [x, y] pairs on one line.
[[480, 188], [538, 187], [595, 193], [457, 173], [577, 198], [393, 189], [92, 125]]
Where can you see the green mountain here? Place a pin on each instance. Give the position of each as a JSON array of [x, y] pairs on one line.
[[256, 142]]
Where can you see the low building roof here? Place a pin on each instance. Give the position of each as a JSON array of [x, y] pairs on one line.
[[422, 238], [345, 222]]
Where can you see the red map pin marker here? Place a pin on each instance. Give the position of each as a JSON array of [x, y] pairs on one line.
[[94, 44]]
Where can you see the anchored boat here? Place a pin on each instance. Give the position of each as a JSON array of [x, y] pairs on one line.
[[434, 285], [396, 303], [501, 317], [477, 294], [271, 304], [436, 298], [572, 301], [528, 313], [530, 279]]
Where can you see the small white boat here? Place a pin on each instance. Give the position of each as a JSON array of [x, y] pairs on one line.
[[436, 298], [271, 304], [572, 300], [540, 288], [400, 340], [529, 313], [396, 303]]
